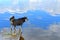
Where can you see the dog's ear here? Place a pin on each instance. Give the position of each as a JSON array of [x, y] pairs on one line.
[[12, 18]]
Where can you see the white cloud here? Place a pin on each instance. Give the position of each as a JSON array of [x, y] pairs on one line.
[[51, 11], [15, 2], [33, 0], [54, 27], [29, 34], [21, 6], [40, 34]]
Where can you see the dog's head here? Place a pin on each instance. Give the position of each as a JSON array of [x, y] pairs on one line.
[[12, 19]]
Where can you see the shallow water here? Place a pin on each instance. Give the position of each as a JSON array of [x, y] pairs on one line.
[[31, 33]]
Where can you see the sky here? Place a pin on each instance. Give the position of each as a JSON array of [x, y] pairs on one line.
[[21, 6]]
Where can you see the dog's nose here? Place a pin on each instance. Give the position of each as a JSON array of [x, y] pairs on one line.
[[26, 19]]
